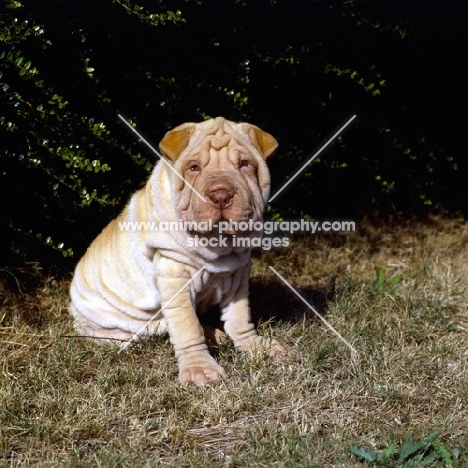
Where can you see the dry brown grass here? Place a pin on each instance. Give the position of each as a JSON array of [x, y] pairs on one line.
[[69, 402]]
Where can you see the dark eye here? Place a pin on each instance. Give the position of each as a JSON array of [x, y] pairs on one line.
[[194, 167], [244, 163]]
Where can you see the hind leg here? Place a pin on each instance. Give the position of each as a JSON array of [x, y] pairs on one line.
[[214, 337]]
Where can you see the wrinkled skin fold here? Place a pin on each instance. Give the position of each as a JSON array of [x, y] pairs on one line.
[[127, 276]]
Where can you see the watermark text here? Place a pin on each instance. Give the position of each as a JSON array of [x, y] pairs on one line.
[[243, 234], [267, 227]]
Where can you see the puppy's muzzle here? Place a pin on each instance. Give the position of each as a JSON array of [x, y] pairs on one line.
[[221, 195]]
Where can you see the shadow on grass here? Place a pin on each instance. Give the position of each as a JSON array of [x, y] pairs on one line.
[[272, 301]]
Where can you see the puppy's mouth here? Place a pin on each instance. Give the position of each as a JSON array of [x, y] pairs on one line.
[[220, 227], [223, 226]]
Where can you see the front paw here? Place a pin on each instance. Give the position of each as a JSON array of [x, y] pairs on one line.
[[201, 372]]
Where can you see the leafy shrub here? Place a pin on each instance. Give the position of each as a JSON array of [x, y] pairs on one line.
[[298, 69]]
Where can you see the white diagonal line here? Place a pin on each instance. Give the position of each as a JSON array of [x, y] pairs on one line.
[[162, 159], [313, 310], [143, 328], [312, 158]]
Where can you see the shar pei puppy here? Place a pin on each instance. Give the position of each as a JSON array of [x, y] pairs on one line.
[[137, 278]]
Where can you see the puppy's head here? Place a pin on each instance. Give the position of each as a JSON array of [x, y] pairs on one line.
[[222, 164]]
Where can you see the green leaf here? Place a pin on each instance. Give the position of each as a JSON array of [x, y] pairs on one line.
[[445, 454], [395, 280], [364, 453], [14, 4], [430, 437], [409, 448], [389, 451], [380, 281]]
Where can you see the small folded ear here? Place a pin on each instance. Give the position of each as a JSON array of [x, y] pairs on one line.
[[265, 142], [176, 140]]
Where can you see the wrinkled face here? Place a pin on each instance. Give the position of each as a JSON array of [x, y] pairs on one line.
[[227, 168], [226, 175]]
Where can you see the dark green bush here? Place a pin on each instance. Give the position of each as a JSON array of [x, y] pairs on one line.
[[299, 69]]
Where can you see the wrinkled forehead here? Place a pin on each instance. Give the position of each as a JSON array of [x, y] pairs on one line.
[[220, 143]]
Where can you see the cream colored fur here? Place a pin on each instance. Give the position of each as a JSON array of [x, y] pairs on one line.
[[125, 277]]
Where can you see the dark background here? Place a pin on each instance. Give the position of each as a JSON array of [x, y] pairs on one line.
[[297, 69]]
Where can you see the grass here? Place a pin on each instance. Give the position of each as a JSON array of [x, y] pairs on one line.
[[69, 402]]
